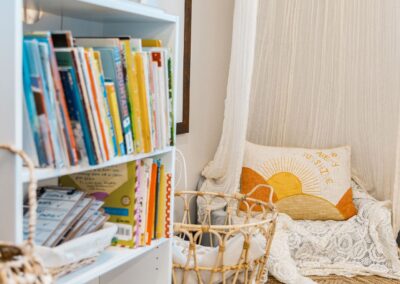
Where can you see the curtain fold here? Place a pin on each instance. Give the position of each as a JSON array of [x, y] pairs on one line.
[[223, 172]]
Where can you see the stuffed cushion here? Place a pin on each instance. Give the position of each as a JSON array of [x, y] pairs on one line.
[[308, 184]]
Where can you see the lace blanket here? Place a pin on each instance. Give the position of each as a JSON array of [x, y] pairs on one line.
[[362, 245]]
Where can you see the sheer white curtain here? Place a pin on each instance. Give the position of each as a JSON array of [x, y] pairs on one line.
[[326, 73], [223, 173]]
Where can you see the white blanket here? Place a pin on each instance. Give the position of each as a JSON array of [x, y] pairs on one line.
[[362, 245]]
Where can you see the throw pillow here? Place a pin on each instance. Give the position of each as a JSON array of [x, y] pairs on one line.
[[309, 184]]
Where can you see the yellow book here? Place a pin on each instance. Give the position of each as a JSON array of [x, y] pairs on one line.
[[98, 70], [144, 110], [116, 186], [133, 96], [161, 210], [151, 43], [113, 104]]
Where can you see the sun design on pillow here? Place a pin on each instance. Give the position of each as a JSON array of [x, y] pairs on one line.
[[289, 177], [294, 184]]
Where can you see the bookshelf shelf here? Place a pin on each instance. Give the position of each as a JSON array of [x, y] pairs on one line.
[[107, 11], [108, 260], [49, 173]]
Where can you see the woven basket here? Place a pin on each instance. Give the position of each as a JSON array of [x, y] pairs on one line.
[[18, 263], [253, 223]]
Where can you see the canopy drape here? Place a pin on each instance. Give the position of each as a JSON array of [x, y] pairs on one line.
[[325, 73]]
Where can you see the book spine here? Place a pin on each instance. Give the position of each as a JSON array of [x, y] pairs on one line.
[[77, 112], [112, 102], [31, 109], [110, 125], [72, 149], [168, 206], [133, 97], [96, 106], [78, 64], [151, 204], [123, 103], [91, 104], [157, 200], [143, 101], [171, 102], [38, 92], [137, 219], [51, 108]]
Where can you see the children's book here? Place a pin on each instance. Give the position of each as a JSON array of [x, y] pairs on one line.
[[133, 95], [54, 206], [161, 204], [98, 95], [91, 96], [79, 122], [114, 110], [110, 124], [151, 204], [144, 102], [53, 105], [115, 186], [109, 49], [67, 58], [31, 114], [45, 37]]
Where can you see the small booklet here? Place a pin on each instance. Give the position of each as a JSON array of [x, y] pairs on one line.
[[54, 205]]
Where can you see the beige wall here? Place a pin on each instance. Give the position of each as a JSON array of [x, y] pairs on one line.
[[211, 40]]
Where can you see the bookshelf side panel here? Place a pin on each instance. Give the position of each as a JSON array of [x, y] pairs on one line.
[[10, 120]]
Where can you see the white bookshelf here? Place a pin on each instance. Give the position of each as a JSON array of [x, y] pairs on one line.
[[151, 264]]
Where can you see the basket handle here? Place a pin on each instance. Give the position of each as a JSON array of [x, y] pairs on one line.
[[271, 194], [31, 190]]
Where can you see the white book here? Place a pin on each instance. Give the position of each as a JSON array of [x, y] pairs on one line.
[[69, 221], [102, 105], [149, 99], [90, 95], [54, 205]]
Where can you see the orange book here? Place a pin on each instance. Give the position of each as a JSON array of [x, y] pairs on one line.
[[151, 204], [96, 102]]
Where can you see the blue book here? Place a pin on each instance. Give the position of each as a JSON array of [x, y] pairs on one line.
[[45, 37], [73, 95], [76, 111], [112, 66], [36, 68], [32, 112]]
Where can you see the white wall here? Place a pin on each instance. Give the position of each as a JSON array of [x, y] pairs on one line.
[[211, 41]]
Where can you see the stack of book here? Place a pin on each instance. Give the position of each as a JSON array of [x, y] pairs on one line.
[[136, 196], [91, 99], [64, 214]]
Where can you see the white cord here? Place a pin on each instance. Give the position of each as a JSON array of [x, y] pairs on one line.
[[184, 170]]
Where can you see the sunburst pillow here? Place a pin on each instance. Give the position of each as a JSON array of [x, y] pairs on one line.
[[309, 184]]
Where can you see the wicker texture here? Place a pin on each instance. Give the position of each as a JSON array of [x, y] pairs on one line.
[[18, 263], [333, 279], [254, 223]]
